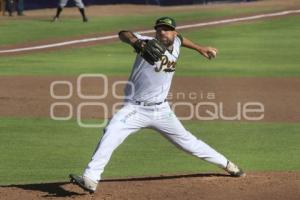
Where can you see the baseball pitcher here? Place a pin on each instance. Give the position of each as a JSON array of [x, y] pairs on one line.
[[146, 104]]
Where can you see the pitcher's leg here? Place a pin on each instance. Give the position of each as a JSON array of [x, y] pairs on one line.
[[125, 122], [172, 128], [113, 136]]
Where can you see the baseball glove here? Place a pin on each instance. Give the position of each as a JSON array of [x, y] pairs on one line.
[[150, 50]]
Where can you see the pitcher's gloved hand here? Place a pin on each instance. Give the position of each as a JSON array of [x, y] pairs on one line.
[[150, 50]]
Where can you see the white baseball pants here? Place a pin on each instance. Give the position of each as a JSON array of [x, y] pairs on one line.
[[130, 119]]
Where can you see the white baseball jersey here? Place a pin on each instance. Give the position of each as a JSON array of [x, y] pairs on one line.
[[151, 83]]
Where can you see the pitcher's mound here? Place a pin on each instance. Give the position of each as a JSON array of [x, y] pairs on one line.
[[267, 186]]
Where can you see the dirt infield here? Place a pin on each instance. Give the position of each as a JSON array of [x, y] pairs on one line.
[[27, 96], [255, 186]]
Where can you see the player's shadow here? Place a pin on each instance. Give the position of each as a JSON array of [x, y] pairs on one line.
[[51, 189], [163, 177], [57, 190]]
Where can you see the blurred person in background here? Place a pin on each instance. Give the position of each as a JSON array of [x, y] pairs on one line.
[[63, 3], [11, 5]]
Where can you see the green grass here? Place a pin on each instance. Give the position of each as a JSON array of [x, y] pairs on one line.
[[19, 31], [42, 150], [264, 48]]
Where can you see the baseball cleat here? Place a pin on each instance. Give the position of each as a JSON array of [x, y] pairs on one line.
[[234, 170], [85, 19], [84, 182]]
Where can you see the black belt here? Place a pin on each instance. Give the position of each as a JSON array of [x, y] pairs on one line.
[[143, 103]]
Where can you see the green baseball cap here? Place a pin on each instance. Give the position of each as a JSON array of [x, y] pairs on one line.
[[165, 21]]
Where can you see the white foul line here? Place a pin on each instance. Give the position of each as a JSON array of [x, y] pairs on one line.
[[226, 21]]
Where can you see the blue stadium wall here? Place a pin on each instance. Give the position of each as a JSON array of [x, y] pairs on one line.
[[38, 4]]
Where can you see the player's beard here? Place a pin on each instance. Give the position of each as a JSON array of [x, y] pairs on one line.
[[167, 42]]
